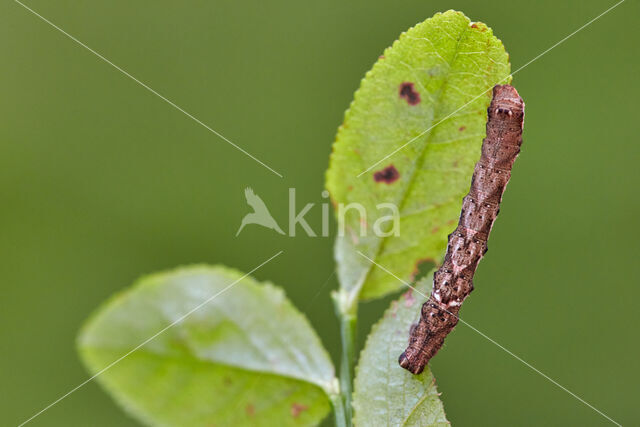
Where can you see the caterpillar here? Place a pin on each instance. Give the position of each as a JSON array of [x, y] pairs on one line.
[[453, 281]]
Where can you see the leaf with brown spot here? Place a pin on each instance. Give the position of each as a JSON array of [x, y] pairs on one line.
[[449, 64]]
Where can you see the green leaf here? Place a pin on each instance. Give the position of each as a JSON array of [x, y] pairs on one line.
[[449, 62], [247, 357], [384, 393]]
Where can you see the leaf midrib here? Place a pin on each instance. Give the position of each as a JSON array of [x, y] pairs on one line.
[[189, 357], [420, 161]]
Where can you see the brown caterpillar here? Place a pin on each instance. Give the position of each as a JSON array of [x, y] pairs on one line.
[[452, 283]]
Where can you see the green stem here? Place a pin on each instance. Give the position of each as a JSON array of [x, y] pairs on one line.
[[338, 410], [348, 333], [347, 314]]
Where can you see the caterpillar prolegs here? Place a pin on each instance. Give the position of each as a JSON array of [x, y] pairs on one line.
[[453, 281]]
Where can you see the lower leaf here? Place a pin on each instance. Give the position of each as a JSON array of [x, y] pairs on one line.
[[247, 357], [384, 393]]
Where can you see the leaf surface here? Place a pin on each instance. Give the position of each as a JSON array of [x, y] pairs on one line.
[[247, 357], [420, 83], [384, 393]]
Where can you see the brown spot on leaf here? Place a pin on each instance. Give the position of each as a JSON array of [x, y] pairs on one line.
[[451, 222], [409, 93], [462, 128], [250, 410], [434, 230], [387, 175], [482, 27], [297, 408]]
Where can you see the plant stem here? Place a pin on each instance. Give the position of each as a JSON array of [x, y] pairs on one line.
[[347, 314], [338, 410], [348, 334]]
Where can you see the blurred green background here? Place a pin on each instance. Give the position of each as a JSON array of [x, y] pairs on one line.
[[102, 182]]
